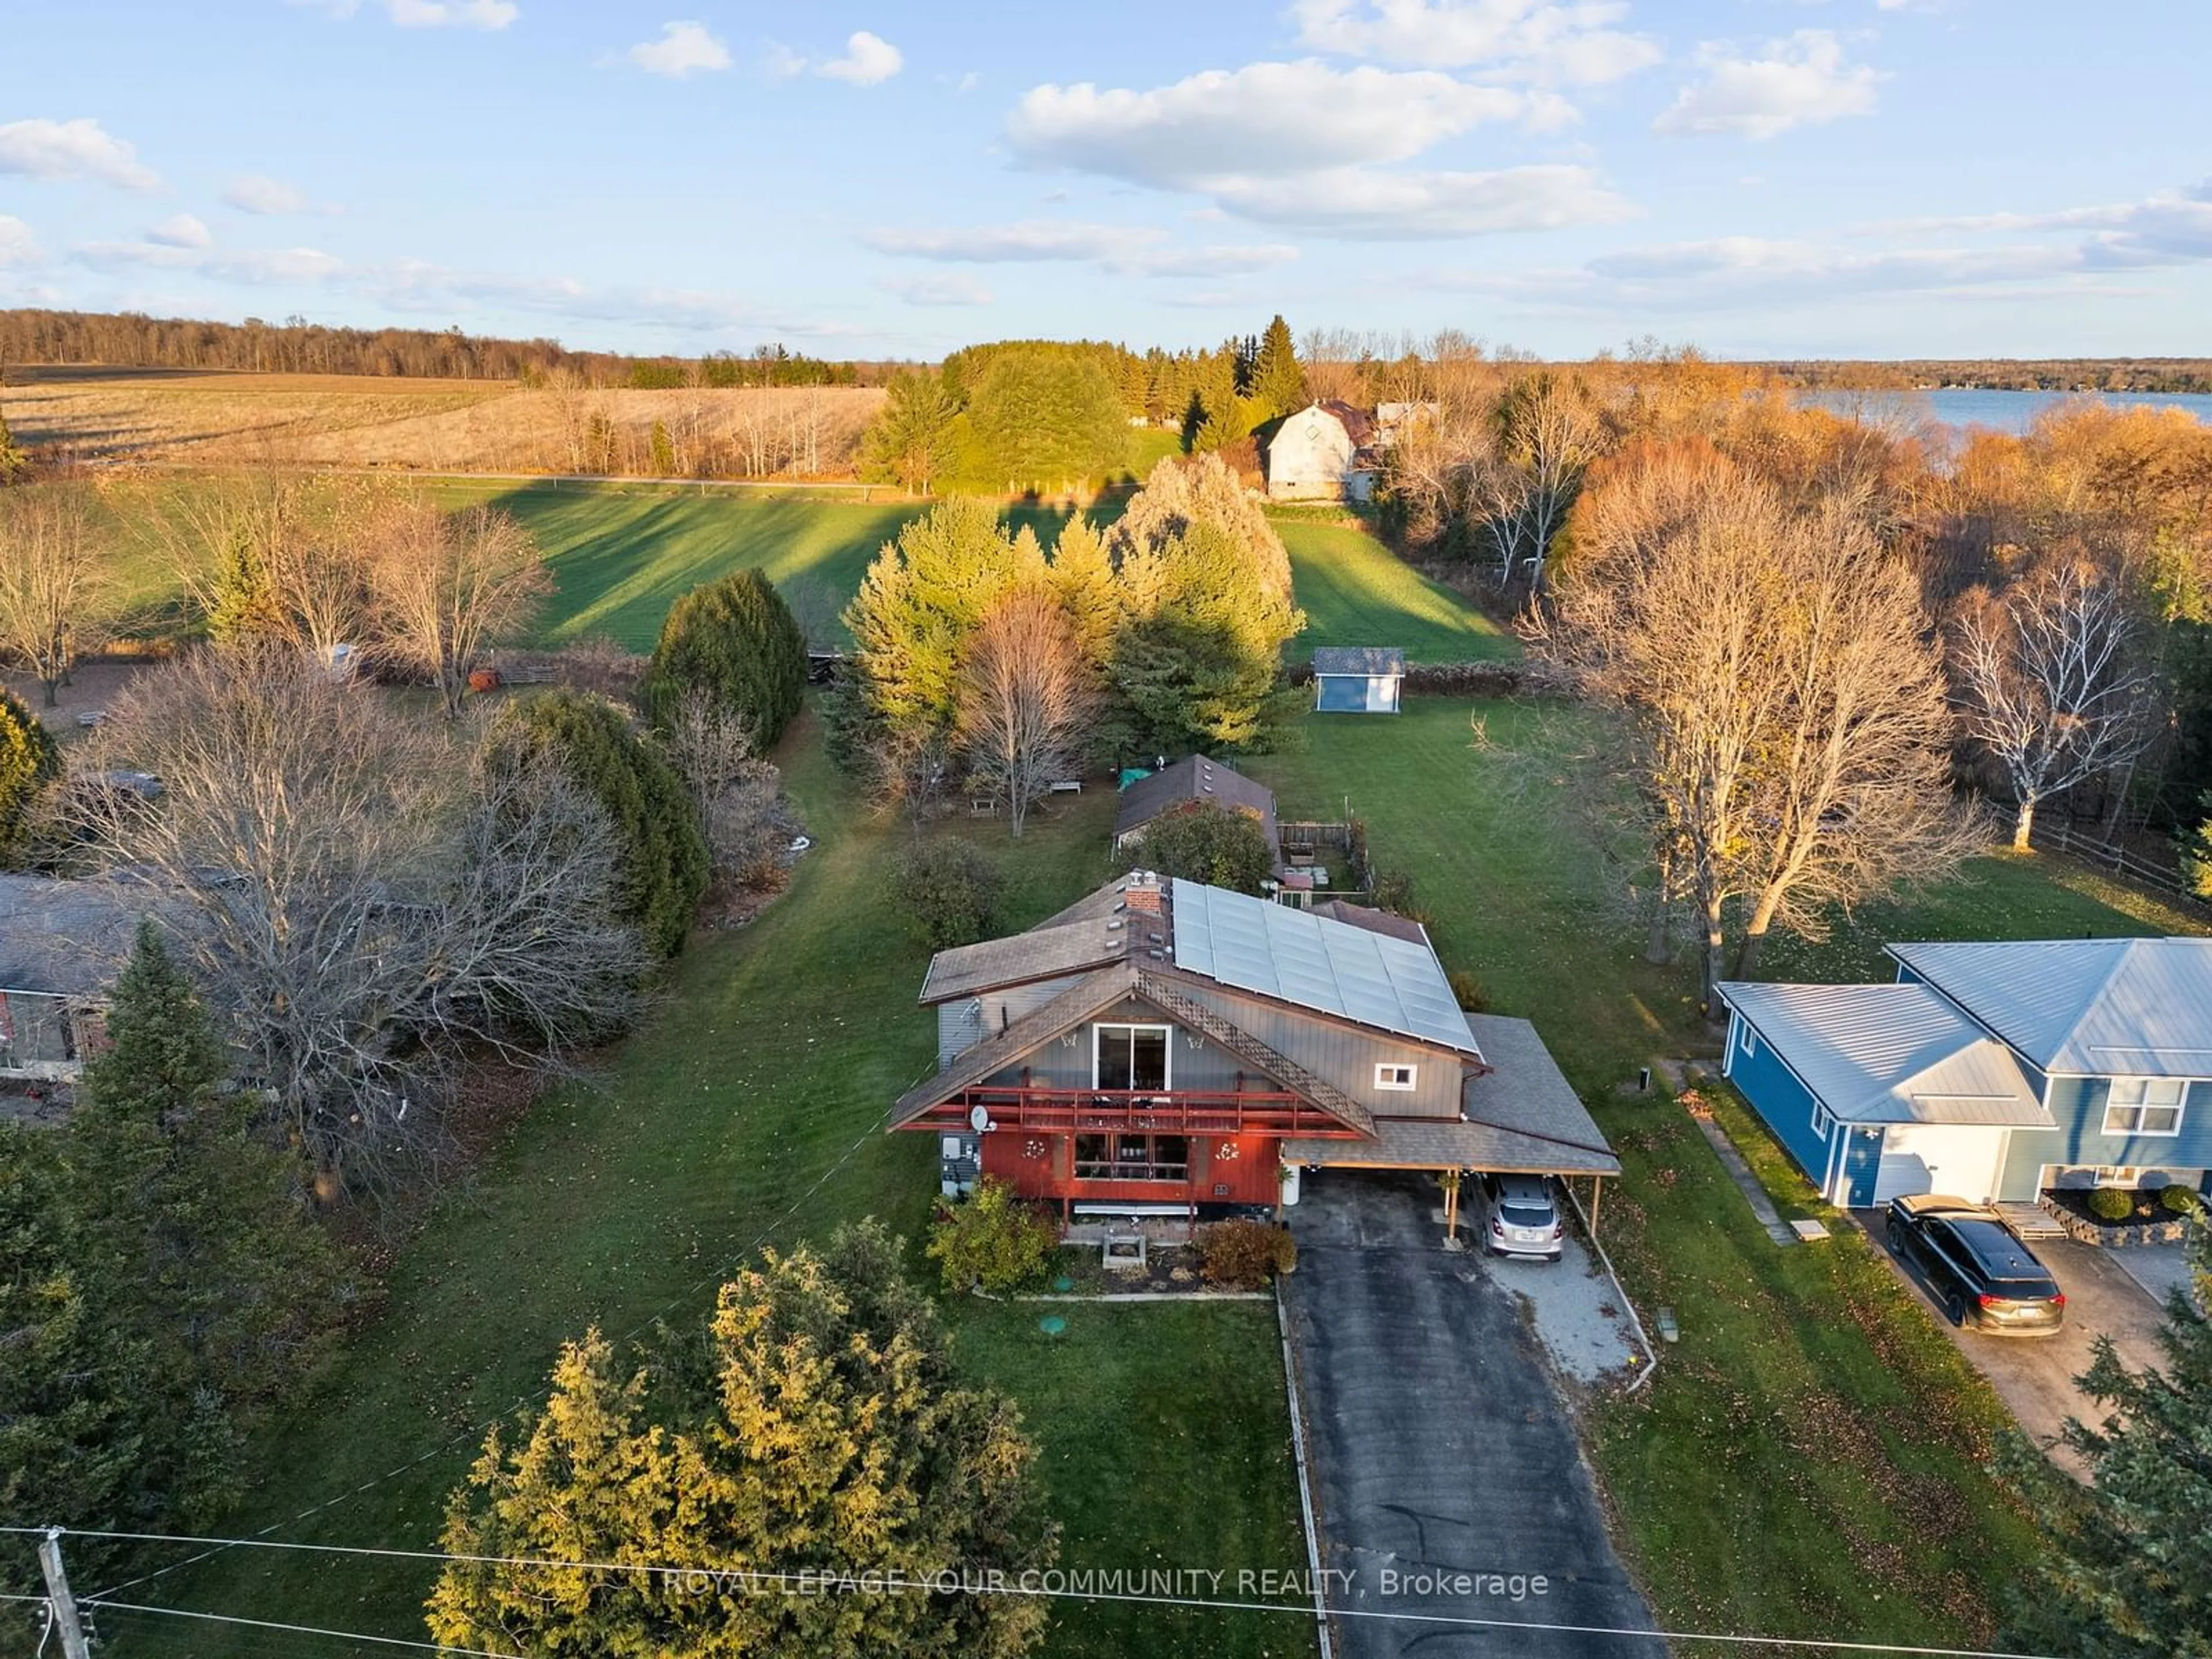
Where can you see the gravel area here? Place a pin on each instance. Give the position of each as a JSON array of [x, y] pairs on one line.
[[1575, 1308]]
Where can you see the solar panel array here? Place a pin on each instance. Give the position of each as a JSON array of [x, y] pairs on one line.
[[1278, 951]]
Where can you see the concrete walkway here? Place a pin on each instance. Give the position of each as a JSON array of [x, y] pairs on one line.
[[1448, 1480], [1747, 1182]]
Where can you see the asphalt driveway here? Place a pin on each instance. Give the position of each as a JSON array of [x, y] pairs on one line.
[[2034, 1376], [1447, 1480]]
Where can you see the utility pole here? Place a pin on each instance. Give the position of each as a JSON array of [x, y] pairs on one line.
[[58, 1599]]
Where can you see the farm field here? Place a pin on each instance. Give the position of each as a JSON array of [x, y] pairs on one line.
[[750, 1111], [1758, 1477], [194, 416]]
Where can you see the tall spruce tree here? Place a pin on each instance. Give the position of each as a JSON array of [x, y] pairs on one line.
[[198, 1234], [29, 762], [2126, 1577], [1279, 381], [665, 864]]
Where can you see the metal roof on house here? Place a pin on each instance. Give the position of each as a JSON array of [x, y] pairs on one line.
[[1310, 961], [1192, 779], [1363, 661], [2091, 1007], [1889, 1054]]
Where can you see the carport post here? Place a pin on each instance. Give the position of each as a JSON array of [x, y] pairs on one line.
[[1597, 1191], [1451, 1206]]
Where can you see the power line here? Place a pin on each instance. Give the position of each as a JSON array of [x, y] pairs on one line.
[[477, 1431], [1028, 1587], [305, 1630]]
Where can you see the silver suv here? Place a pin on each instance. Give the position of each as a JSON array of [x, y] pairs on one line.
[[1523, 1219]]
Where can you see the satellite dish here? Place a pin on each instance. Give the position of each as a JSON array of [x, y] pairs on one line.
[[979, 1118]]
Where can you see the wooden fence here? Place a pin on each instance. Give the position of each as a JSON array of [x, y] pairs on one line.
[[2165, 879]]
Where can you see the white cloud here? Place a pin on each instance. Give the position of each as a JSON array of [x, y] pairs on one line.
[[968, 83], [257, 193], [1034, 240], [1123, 250], [1802, 80], [1370, 203], [946, 288], [451, 14], [427, 14], [868, 59], [180, 230], [83, 149], [18, 246], [1264, 119], [683, 49], [255, 266], [1532, 39]]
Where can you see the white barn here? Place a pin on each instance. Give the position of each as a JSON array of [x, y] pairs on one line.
[[1319, 454]]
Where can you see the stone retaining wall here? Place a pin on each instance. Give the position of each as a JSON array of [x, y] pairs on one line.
[[2117, 1237]]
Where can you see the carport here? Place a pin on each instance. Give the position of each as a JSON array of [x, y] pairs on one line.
[[1518, 1115]]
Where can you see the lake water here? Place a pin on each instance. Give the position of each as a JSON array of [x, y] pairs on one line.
[[2006, 411]]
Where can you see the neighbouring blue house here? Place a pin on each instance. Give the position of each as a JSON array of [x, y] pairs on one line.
[[1988, 1072]]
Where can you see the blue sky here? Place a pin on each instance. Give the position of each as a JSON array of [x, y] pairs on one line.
[[1877, 178]]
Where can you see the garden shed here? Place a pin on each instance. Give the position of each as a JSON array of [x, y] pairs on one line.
[[1357, 679]]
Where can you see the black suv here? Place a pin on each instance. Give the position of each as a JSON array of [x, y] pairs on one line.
[[1976, 1266]]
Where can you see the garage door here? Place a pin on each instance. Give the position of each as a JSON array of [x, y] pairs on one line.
[[1931, 1158]]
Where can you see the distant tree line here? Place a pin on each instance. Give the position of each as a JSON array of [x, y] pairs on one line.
[[296, 346], [2154, 374]]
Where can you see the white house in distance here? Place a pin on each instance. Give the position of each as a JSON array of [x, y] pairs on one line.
[[1357, 679]]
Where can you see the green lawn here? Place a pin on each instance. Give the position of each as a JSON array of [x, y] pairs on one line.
[[623, 554], [1808, 1461], [777, 1051]]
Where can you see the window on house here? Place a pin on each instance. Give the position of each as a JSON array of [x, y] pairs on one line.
[[1400, 1078], [2118, 1175], [1132, 1158], [1747, 1040], [1132, 1057], [2144, 1106]]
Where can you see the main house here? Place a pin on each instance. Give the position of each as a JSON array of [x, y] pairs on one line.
[[1163, 1048], [1989, 1071]]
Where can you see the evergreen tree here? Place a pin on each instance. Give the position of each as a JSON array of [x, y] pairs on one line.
[[2196, 855], [79, 1430], [1278, 382], [911, 440], [662, 449], [736, 639], [664, 864], [2126, 1578], [1047, 421], [198, 1236], [29, 762], [817, 1427], [13, 460], [242, 602]]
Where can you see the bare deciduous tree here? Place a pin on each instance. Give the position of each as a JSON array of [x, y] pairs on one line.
[[447, 585], [1025, 694], [51, 587], [1548, 432], [2054, 696], [1785, 707], [364, 904]]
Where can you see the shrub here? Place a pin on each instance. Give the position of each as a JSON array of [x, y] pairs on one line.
[[1467, 991], [1205, 841], [1243, 1255], [1394, 891], [993, 1240], [949, 892], [748, 829], [2112, 1204], [736, 639], [2178, 1200], [664, 871], [29, 762]]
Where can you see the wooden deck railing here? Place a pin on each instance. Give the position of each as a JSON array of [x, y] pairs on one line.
[[1182, 1111]]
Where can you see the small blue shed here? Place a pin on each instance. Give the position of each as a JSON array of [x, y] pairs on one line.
[[1357, 679]]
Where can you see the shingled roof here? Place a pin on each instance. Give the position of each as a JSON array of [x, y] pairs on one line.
[[1364, 660], [1190, 781]]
